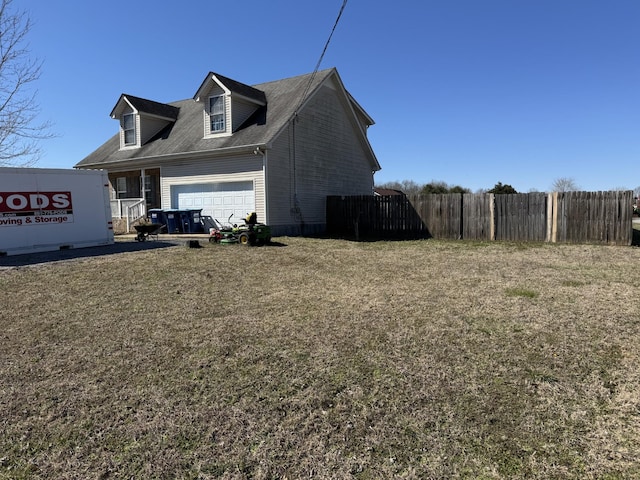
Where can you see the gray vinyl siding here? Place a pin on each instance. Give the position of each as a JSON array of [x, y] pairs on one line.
[[241, 112], [149, 127], [146, 128], [280, 184], [230, 169], [325, 151], [236, 113]]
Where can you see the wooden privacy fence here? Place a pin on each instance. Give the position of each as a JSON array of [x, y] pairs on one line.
[[572, 217]]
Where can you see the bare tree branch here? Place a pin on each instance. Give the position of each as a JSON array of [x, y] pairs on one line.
[[19, 133], [564, 184]]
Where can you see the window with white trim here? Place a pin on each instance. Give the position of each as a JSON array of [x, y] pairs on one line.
[[121, 187], [129, 128], [217, 113], [149, 190]]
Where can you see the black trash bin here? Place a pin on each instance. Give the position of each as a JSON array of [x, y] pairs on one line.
[[185, 226], [158, 217], [173, 221], [193, 221]]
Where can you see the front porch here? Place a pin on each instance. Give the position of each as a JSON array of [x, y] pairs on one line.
[[132, 194]]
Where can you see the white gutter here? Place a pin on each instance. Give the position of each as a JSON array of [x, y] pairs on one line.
[[218, 152]]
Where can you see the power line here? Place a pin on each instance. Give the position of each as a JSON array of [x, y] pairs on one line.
[[295, 205], [324, 50]]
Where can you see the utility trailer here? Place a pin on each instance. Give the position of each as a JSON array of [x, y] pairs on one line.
[[43, 210]]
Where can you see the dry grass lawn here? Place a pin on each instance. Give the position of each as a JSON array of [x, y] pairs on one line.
[[324, 359]]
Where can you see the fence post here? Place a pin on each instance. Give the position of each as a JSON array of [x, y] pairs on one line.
[[550, 211], [492, 214], [554, 217]]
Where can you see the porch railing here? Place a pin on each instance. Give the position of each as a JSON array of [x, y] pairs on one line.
[[129, 209]]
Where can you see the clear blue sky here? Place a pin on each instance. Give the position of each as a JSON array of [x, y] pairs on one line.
[[469, 92]]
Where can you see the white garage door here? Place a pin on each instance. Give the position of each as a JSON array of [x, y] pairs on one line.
[[217, 200]]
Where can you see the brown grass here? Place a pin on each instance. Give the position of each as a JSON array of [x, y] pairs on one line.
[[324, 359]]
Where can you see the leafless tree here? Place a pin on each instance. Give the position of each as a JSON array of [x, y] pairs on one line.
[[408, 187], [564, 184], [20, 134]]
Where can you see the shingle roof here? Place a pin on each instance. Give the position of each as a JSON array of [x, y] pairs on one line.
[[387, 191], [150, 107], [186, 134], [240, 88]]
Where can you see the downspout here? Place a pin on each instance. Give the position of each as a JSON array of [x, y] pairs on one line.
[[263, 152]]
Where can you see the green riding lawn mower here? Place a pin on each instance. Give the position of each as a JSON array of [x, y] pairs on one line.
[[251, 233]]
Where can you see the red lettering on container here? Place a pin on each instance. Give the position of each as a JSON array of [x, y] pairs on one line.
[[34, 201]]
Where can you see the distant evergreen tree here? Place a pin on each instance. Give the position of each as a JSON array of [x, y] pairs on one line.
[[459, 189], [409, 187], [442, 187], [500, 189], [435, 187]]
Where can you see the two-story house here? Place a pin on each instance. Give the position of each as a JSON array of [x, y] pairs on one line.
[[277, 148]]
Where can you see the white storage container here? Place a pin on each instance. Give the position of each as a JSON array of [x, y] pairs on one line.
[[51, 209]]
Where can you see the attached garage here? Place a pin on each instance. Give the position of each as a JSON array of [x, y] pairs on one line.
[[217, 200], [220, 187]]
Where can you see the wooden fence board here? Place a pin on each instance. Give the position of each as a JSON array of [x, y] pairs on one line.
[[521, 217], [595, 217], [477, 214], [571, 217]]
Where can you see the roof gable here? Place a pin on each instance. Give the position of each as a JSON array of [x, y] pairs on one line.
[[312, 84], [231, 87], [144, 106]]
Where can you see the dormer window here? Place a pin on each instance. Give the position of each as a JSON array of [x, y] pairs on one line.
[[129, 128], [226, 104], [217, 113], [141, 119]]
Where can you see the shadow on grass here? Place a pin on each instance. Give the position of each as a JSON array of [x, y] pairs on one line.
[[265, 245], [85, 252], [635, 240], [275, 244]]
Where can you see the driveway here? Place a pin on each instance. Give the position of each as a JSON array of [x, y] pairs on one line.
[[123, 244]]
